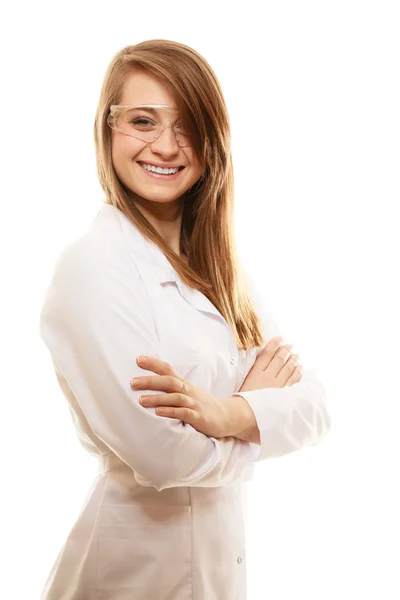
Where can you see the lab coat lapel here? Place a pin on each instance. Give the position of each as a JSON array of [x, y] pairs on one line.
[[196, 298], [152, 263]]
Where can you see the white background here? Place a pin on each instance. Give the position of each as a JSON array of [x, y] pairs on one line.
[[312, 89]]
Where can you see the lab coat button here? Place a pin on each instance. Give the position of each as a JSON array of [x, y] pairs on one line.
[[239, 559], [232, 361]]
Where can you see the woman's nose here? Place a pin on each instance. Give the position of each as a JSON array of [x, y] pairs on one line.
[[166, 143]]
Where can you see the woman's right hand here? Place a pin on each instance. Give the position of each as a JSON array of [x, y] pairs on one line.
[[275, 367]]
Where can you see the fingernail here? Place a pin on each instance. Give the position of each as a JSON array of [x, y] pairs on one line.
[[141, 359], [135, 382]]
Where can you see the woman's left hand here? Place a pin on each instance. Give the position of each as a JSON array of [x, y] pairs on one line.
[[210, 415]]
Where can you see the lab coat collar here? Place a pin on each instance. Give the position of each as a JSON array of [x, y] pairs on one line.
[[150, 260]]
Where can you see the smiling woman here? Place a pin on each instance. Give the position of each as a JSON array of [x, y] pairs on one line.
[[157, 275], [151, 138]]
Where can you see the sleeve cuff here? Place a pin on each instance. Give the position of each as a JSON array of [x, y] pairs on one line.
[[288, 418]]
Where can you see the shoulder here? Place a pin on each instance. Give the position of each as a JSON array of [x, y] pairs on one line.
[[92, 274], [95, 280], [94, 255]]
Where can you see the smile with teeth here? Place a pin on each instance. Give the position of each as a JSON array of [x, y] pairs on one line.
[[159, 170]]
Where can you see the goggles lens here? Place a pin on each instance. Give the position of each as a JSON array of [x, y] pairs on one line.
[[147, 124]]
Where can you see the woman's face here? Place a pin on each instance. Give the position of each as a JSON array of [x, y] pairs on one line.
[[129, 153]]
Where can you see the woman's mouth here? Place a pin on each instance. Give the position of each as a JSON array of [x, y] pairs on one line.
[[159, 173]]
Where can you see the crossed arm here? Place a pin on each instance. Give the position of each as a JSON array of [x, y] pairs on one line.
[[88, 324]]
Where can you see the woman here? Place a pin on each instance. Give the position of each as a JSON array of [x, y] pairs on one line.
[[157, 276]]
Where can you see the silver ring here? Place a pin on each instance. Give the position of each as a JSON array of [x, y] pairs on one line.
[[183, 390]]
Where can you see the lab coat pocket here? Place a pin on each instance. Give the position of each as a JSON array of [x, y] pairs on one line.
[[144, 547]]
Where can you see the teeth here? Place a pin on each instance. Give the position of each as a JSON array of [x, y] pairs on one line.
[[159, 169]]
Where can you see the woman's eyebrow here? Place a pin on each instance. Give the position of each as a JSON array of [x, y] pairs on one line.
[[152, 111]]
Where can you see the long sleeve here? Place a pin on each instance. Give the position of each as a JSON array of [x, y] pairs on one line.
[[95, 321], [288, 418]]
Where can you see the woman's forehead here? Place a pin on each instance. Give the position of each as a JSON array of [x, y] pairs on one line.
[[144, 88]]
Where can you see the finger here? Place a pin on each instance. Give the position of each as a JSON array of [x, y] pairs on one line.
[[272, 346], [291, 360], [177, 400], [287, 370], [165, 383], [267, 353], [296, 376], [279, 359], [182, 413], [156, 365]]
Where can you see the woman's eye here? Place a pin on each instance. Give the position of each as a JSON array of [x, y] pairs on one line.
[[180, 128], [143, 122]]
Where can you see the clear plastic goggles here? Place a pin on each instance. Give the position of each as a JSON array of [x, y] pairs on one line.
[[146, 122]]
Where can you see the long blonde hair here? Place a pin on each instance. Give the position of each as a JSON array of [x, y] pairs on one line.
[[207, 235]]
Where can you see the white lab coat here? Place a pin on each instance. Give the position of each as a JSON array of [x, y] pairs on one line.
[[164, 518]]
